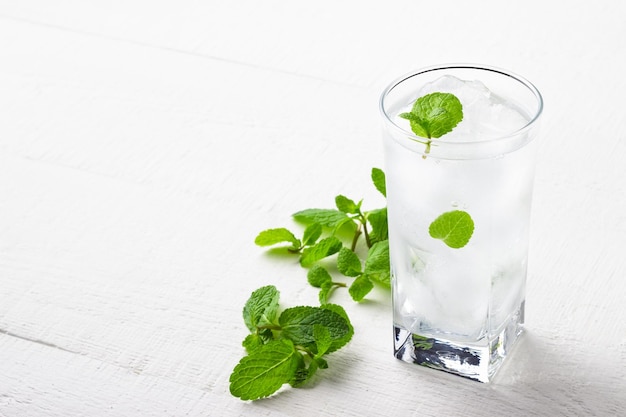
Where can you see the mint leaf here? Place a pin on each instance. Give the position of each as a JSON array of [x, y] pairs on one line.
[[345, 205], [261, 308], [302, 373], [377, 263], [380, 227], [360, 288], [273, 236], [434, 115], [311, 234], [318, 276], [348, 263], [325, 217], [322, 249], [422, 343], [297, 325], [251, 342], [265, 370], [321, 335], [254, 340], [326, 289], [454, 228], [378, 178], [340, 342]]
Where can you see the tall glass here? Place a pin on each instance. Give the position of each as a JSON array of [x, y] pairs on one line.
[[460, 309]]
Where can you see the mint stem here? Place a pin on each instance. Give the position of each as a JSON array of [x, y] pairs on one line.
[[427, 149], [355, 239], [269, 326], [365, 232]]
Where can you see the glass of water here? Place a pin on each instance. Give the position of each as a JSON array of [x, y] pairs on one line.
[[461, 309]]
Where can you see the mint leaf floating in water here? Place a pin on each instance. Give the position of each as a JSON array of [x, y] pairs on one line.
[[434, 115], [454, 228]]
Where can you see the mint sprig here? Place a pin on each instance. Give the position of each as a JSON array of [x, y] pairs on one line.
[[434, 115], [324, 236], [286, 348]]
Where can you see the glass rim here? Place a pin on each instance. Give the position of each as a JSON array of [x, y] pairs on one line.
[[525, 82]]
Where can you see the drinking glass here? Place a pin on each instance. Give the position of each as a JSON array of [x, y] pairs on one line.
[[461, 309]]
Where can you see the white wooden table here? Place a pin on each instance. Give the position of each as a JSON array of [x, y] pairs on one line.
[[144, 144]]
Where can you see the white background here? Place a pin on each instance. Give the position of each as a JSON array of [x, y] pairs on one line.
[[144, 144]]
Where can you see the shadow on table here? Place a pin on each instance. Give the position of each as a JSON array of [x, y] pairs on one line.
[[545, 375]]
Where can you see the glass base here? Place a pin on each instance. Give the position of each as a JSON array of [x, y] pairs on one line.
[[479, 361]]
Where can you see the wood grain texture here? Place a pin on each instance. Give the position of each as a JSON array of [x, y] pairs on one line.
[[144, 144]]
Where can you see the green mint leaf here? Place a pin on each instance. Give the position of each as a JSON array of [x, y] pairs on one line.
[[377, 263], [297, 325], [360, 288], [265, 370], [348, 263], [273, 236], [325, 217], [321, 335], [311, 234], [345, 205], [321, 362], [302, 373], [434, 115], [454, 228], [322, 249], [318, 276], [378, 178], [417, 125], [261, 308], [254, 340], [380, 227], [340, 342], [326, 289], [422, 343]]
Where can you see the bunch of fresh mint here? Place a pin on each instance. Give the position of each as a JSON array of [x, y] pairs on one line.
[[285, 348], [313, 246]]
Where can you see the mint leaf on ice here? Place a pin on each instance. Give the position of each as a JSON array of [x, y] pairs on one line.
[[434, 115]]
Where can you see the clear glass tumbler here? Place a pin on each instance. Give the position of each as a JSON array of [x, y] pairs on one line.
[[460, 309]]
